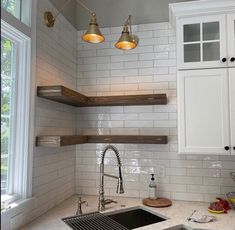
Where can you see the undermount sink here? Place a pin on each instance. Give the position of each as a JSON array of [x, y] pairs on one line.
[[135, 217], [125, 219]]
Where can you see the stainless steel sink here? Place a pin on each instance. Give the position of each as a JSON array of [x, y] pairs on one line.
[[135, 217], [125, 219]]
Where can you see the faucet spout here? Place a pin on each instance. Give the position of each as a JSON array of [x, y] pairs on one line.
[[120, 188]]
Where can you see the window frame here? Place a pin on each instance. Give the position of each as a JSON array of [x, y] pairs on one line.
[[25, 37]]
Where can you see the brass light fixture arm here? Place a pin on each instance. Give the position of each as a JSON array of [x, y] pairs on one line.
[[128, 22], [85, 7], [61, 9], [50, 19]]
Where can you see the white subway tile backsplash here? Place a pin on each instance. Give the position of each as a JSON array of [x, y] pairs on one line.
[[150, 68]]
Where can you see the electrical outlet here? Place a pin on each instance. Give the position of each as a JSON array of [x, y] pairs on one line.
[[16, 221], [160, 170]]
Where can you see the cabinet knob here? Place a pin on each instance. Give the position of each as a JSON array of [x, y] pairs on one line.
[[233, 147], [226, 148], [224, 59], [232, 59]]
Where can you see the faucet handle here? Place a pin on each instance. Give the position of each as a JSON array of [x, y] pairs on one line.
[[82, 202]]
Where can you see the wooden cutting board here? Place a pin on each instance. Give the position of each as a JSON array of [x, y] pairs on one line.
[[157, 203]]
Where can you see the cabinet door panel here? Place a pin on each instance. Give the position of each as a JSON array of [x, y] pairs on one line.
[[231, 39], [201, 42], [232, 106], [203, 111]]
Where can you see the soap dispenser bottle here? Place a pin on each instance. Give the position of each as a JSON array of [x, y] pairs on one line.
[[152, 188]]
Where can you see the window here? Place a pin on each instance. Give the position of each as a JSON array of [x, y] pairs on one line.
[[18, 8], [7, 103], [15, 113]]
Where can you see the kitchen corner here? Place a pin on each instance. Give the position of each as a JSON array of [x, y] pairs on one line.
[[129, 105]]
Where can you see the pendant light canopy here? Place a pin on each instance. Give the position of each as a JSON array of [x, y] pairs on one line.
[[93, 34], [127, 40]]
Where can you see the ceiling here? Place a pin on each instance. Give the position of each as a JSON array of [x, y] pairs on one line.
[[114, 12]]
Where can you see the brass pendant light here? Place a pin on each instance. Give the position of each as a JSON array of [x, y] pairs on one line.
[[127, 40], [93, 34]]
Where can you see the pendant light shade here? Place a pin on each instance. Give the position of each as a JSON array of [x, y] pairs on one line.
[[126, 40], [93, 34]]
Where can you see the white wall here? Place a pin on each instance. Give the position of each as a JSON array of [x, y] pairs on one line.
[[53, 168], [150, 68]]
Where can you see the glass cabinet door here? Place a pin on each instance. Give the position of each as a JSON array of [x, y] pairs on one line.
[[202, 42], [231, 39]]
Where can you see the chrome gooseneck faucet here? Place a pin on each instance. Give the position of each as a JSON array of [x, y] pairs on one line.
[[102, 200]]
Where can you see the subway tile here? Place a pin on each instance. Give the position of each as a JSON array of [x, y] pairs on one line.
[[129, 72], [186, 164], [219, 164], [124, 116], [187, 196], [153, 116], [186, 180], [203, 172], [176, 171], [138, 124], [138, 64], [203, 189], [153, 26], [109, 66], [218, 181], [124, 58]]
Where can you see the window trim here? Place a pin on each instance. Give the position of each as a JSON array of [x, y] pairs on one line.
[[11, 24]]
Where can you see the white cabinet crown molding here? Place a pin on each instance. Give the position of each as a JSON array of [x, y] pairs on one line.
[[197, 8]]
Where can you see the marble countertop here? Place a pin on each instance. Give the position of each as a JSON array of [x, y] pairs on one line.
[[177, 214]]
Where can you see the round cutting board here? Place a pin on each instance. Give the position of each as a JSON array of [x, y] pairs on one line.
[[157, 203]]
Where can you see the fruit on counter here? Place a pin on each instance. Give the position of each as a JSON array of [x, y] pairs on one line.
[[219, 206], [216, 206], [225, 203]]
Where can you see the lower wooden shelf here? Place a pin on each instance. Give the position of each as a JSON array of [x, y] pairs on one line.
[[57, 141]]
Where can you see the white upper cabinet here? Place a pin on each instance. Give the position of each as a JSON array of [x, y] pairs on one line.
[[231, 39], [205, 33], [203, 112]]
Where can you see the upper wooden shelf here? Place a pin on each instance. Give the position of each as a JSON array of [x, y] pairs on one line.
[[68, 96], [57, 141]]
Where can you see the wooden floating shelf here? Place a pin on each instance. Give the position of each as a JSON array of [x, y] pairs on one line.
[[68, 96], [57, 141]]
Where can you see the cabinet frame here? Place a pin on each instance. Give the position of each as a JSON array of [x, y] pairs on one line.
[[231, 38]]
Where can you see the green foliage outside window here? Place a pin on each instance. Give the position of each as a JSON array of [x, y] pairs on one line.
[[10, 6], [6, 92]]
